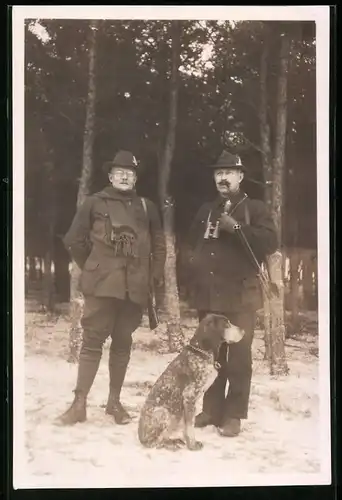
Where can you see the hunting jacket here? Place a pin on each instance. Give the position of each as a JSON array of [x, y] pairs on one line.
[[223, 277], [104, 273]]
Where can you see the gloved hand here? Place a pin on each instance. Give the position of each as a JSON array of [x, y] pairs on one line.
[[228, 223]]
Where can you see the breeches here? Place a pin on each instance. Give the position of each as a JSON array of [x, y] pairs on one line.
[[236, 368], [104, 317]]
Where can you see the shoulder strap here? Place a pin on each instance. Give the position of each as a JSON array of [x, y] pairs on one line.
[[109, 211], [144, 204], [247, 215], [143, 201]]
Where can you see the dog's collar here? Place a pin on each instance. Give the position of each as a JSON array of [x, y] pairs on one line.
[[206, 354]]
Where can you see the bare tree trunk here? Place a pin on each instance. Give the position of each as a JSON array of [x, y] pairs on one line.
[[265, 136], [279, 364], [48, 292], [281, 126], [62, 275], [295, 257], [265, 131], [273, 169], [75, 313], [171, 299], [48, 285], [294, 283], [40, 269], [315, 279], [32, 272], [76, 297], [308, 280]]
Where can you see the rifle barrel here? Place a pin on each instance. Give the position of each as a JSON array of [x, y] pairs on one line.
[[261, 275]]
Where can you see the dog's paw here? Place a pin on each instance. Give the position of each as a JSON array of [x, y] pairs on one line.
[[179, 442], [173, 444], [195, 445]]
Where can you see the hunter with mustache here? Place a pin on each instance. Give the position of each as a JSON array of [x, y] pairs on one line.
[[117, 240], [224, 280]]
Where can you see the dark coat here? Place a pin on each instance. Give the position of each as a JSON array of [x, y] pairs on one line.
[[222, 275], [105, 274]]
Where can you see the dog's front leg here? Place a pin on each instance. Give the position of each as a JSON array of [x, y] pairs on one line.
[[189, 407]]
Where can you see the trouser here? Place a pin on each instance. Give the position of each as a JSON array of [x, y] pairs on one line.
[[104, 317], [236, 368]]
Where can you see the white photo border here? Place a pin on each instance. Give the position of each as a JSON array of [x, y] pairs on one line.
[[321, 16]]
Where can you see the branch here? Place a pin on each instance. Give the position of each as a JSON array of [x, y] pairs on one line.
[[66, 117], [250, 143], [255, 146]]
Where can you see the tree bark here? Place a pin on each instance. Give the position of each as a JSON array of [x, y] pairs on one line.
[[171, 298], [265, 131], [40, 269], [62, 275], [279, 364], [273, 168], [265, 136], [49, 202], [280, 138], [294, 288], [32, 271], [48, 301], [76, 297], [308, 281]]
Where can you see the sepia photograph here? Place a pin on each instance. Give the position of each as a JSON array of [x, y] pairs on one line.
[[170, 246]]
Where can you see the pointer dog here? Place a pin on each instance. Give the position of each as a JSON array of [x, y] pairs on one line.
[[172, 400]]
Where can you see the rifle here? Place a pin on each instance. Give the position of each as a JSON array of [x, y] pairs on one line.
[[152, 311], [270, 288], [151, 308]]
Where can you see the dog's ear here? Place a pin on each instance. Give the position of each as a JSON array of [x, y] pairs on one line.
[[206, 344], [210, 332], [203, 326], [204, 332]]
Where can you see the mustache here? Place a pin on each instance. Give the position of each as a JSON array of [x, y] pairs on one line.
[[224, 183]]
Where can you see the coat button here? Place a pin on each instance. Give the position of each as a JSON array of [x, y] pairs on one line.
[[212, 254], [211, 273]]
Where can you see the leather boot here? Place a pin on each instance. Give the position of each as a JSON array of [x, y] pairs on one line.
[[231, 427], [117, 370], [115, 408], [203, 419], [76, 413]]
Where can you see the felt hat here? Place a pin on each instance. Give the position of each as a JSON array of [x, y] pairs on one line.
[[230, 161], [121, 159]]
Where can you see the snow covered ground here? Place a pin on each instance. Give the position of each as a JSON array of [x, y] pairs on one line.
[[279, 442]]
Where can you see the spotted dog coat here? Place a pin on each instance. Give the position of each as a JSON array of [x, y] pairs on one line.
[[172, 400]]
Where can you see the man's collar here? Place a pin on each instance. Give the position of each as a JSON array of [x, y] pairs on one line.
[[233, 197], [117, 193]]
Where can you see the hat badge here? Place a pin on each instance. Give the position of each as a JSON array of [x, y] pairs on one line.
[[134, 161], [238, 161]]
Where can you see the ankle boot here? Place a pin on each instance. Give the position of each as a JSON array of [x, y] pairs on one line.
[[231, 427], [76, 413], [203, 419], [115, 408]]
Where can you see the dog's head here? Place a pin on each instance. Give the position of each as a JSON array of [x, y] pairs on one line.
[[215, 329]]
